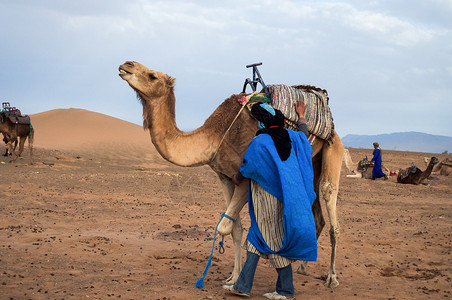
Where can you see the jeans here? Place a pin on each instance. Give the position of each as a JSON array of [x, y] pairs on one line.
[[284, 284]]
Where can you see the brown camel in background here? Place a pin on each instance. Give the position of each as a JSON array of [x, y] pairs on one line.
[[203, 146], [414, 175], [14, 131], [442, 168]]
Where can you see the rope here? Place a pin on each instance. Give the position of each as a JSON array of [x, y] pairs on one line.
[[200, 282], [245, 101]]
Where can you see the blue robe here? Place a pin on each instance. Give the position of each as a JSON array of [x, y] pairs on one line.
[[291, 182], [377, 171]]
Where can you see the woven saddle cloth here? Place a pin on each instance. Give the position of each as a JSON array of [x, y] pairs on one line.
[[318, 114]]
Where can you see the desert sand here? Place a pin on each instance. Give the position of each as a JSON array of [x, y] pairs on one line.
[[101, 215]]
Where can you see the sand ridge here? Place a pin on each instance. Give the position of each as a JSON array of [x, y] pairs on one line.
[[73, 128]]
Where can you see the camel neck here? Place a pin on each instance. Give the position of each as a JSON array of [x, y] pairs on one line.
[[427, 171], [181, 148]]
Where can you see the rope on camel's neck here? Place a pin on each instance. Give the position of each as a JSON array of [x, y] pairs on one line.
[[244, 100]]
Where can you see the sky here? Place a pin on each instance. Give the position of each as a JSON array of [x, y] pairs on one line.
[[387, 65]]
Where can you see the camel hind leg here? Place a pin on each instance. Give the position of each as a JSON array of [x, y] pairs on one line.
[[316, 208], [22, 140], [329, 187], [31, 138]]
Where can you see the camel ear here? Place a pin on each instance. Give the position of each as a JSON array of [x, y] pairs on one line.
[[171, 81]]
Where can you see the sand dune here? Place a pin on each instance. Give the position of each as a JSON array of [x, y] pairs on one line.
[[78, 129]]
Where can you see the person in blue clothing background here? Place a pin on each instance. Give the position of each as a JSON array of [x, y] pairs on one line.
[[377, 172], [278, 163]]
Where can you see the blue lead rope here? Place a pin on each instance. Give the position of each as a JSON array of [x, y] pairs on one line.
[[200, 282]]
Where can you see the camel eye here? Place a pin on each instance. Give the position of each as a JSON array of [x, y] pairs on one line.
[[152, 76]]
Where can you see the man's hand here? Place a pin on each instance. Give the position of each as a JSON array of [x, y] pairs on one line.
[[300, 108]]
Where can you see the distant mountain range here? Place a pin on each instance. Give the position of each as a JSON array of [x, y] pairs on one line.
[[403, 141]]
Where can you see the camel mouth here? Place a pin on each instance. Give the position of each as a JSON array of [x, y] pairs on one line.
[[123, 73]]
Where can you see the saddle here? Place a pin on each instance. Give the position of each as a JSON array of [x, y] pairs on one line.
[[318, 114], [364, 164], [13, 115], [319, 119], [403, 173], [288, 124]]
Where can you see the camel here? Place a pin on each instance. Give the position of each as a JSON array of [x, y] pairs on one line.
[[362, 169], [221, 143], [414, 175], [14, 131], [442, 168]]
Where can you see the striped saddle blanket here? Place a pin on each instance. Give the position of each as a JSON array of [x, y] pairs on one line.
[[318, 115]]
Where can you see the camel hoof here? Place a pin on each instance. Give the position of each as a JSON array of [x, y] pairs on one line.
[[302, 268], [331, 281], [231, 279]]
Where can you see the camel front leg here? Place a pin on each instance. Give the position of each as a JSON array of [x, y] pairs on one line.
[[238, 200], [11, 151], [329, 185], [235, 228], [227, 226]]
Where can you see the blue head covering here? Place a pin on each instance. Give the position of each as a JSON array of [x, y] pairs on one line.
[[268, 108], [271, 121]]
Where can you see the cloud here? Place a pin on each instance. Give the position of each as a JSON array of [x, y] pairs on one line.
[[375, 25], [366, 54]]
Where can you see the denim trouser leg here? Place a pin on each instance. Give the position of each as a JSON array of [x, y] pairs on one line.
[[284, 285], [245, 281]]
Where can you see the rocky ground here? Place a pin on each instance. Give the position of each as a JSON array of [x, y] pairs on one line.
[[129, 225]]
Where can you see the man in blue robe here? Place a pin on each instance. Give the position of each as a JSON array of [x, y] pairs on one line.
[[377, 172], [278, 163]]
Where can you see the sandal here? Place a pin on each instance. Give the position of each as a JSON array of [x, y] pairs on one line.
[[232, 290], [275, 295]]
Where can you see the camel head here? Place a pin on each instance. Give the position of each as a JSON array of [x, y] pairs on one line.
[[147, 83], [434, 161]]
